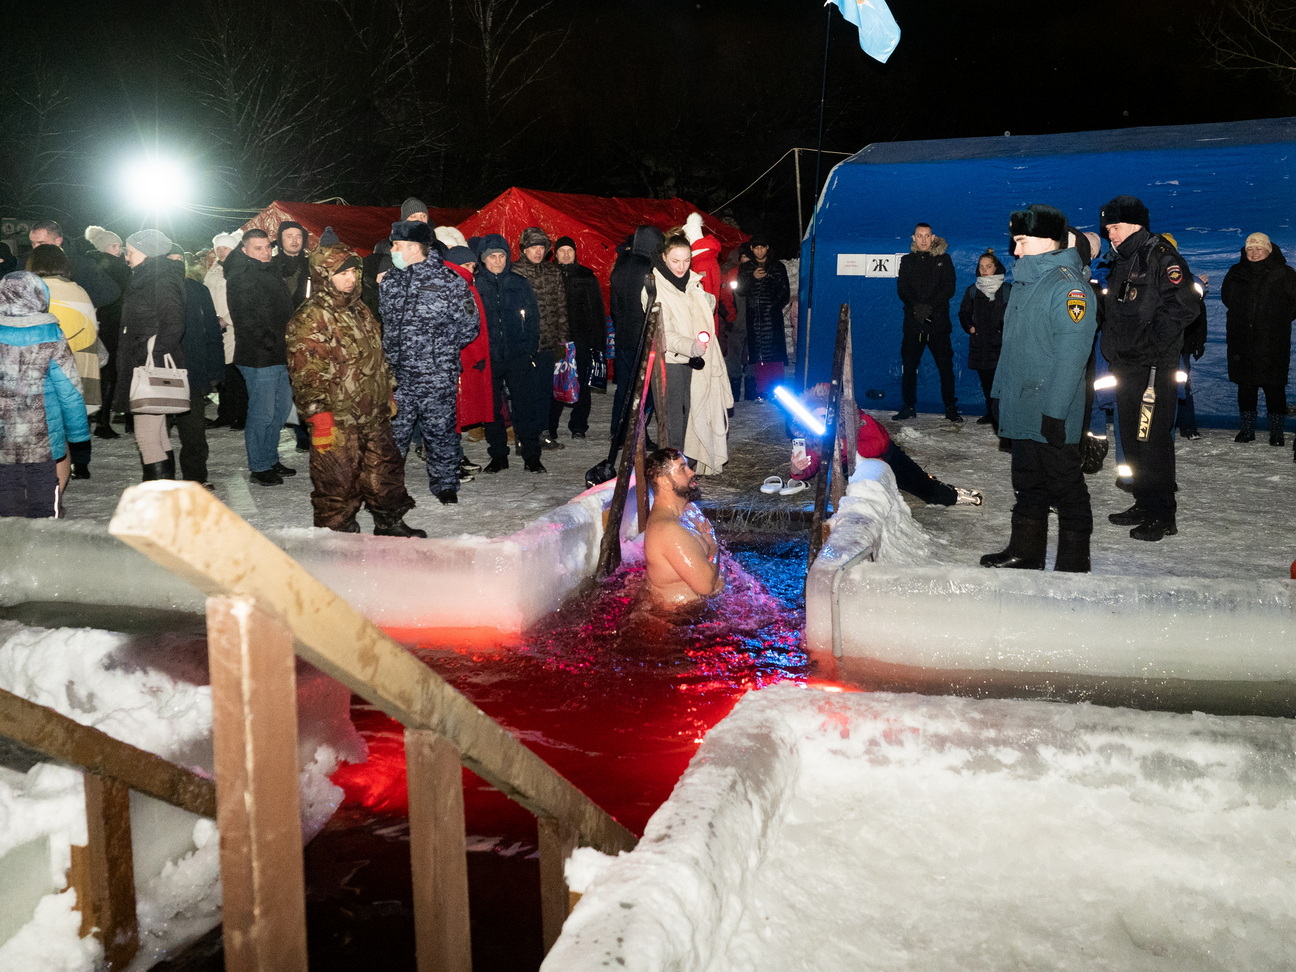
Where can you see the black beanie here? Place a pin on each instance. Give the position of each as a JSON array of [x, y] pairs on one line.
[[1040, 221], [1124, 209], [564, 241], [288, 224]]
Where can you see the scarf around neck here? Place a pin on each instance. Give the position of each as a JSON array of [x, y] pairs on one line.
[[990, 284]]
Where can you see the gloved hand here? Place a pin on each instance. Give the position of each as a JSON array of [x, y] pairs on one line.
[[1198, 351], [697, 350], [696, 362], [922, 313], [1053, 430], [322, 433]]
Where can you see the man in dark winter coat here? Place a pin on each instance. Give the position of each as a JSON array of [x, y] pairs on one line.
[[290, 262], [260, 307], [763, 285], [513, 323], [588, 325], [107, 256], [98, 285], [633, 265], [342, 385], [204, 355], [551, 296], [429, 316], [926, 286], [1149, 302], [1039, 386]]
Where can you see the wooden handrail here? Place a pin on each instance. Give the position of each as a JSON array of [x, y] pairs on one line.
[[830, 444], [186, 529]]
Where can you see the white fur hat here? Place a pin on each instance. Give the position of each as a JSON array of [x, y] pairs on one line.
[[693, 227], [232, 240], [450, 236]]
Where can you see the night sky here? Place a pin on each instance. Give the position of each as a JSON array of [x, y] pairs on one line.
[[642, 98]]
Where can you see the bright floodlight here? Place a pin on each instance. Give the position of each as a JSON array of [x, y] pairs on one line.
[[156, 184], [799, 411]]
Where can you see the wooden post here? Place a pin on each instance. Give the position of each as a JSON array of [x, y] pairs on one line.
[[443, 942], [631, 449], [254, 730], [103, 872], [556, 841], [829, 447], [848, 422]]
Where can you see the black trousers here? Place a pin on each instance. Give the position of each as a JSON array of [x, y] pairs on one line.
[[1275, 398], [1153, 461], [912, 478], [942, 352], [1046, 476], [28, 489], [529, 381], [231, 409]]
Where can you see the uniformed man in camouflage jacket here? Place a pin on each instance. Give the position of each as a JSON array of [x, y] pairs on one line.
[[343, 389], [429, 316]]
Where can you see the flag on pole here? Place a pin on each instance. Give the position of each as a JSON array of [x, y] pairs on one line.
[[878, 32]]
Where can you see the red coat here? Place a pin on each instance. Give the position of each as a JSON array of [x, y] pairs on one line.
[[476, 397], [706, 261], [872, 442]]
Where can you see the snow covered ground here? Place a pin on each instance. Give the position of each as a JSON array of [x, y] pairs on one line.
[[822, 831]]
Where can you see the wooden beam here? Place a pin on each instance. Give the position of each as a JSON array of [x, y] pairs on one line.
[[830, 443], [103, 872], [254, 735], [556, 841], [57, 737], [189, 531], [442, 936]]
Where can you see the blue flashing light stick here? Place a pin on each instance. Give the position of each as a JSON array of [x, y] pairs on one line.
[[799, 411]]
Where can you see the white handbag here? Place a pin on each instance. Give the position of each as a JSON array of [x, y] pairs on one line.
[[159, 391]]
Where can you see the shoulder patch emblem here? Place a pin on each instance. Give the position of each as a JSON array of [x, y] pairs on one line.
[[1175, 273], [1077, 304]]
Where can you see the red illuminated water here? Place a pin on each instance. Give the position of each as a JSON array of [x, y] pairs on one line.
[[615, 701]]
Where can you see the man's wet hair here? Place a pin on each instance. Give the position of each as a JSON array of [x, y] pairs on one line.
[[659, 461]]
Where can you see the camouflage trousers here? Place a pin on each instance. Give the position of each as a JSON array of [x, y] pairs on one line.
[[433, 411], [363, 467]]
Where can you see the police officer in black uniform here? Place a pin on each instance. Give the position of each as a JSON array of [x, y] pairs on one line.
[[1149, 302]]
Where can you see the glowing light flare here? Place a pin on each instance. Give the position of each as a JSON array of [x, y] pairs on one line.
[[704, 337], [1124, 472], [156, 184], [1181, 376], [1106, 381], [799, 411]]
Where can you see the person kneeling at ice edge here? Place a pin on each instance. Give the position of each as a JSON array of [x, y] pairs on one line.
[[680, 546], [874, 442], [342, 384], [1040, 388]]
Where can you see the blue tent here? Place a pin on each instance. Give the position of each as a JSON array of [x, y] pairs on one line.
[[1208, 185]]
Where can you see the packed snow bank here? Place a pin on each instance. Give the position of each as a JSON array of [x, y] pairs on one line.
[[505, 583], [152, 693], [879, 614], [820, 830]]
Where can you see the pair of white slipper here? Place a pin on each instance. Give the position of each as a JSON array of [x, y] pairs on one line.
[[773, 484]]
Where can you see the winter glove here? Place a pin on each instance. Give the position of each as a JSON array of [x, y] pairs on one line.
[[697, 363], [1053, 430], [1198, 351], [322, 437], [697, 349], [922, 313]]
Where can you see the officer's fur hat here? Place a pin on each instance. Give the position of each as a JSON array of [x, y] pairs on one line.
[[1039, 220], [1124, 209], [412, 230]]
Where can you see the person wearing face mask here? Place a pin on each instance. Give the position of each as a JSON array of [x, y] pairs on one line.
[[343, 387], [1040, 389], [698, 396], [981, 314], [429, 317]]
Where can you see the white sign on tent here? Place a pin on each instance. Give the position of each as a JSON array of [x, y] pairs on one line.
[[868, 264]]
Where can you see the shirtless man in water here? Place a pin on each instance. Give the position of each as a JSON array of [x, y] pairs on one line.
[[679, 544]]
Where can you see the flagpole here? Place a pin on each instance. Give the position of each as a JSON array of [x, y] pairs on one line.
[[823, 97]]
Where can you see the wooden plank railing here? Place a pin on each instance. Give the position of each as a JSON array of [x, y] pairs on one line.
[[261, 602], [102, 872], [841, 405]]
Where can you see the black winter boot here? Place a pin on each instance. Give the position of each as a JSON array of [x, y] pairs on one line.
[[168, 465], [394, 525], [1026, 547], [1276, 437], [1072, 552], [157, 470], [1247, 432]]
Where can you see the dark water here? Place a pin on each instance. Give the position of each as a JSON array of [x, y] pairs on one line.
[[614, 700]]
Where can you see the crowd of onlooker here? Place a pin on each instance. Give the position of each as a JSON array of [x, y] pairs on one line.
[[425, 338]]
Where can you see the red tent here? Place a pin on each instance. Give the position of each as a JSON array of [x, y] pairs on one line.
[[597, 223], [360, 227]]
